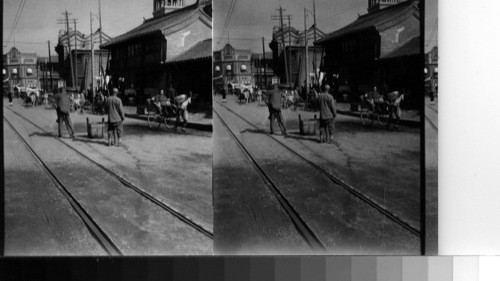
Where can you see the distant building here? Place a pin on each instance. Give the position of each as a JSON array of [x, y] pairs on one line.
[[262, 71], [232, 66], [381, 48], [295, 52], [49, 77], [81, 56], [431, 67], [20, 69], [171, 49]]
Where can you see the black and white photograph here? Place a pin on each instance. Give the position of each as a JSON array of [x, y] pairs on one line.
[[318, 117], [107, 118]]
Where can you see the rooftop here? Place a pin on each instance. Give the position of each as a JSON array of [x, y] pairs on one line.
[[373, 20], [409, 48], [166, 23], [200, 50]]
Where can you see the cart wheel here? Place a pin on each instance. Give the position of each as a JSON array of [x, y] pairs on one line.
[[367, 117], [154, 119], [383, 119], [169, 121]]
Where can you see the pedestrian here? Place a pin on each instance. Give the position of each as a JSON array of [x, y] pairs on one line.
[[432, 95], [223, 95], [116, 116], [161, 101], [274, 105], [63, 108], [172, 93], [9, 95], [182, 102], [327, 114]]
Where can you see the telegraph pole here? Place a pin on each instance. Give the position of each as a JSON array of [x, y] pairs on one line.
[[66, 22], [306, 53], [314, 52], [100, 44], [76, 56], [50, 62], [92, 58], [290, 48], [282, 39], [264, 58]]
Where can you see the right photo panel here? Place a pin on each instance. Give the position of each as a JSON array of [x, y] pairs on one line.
[[318, 127]]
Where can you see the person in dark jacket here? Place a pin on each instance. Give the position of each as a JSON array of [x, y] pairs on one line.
[[116, 116], [274, 104], [327, 113], [172, 93], [9, 95], [62, 107]]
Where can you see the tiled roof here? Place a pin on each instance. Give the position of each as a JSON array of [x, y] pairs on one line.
[[372, 20], [200, 50], [162, 23], [411, 47]]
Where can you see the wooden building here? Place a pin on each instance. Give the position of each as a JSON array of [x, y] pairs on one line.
[[262, 71], [165, 51], [381, 48], [294, 49], [82, 58], [49, 77]]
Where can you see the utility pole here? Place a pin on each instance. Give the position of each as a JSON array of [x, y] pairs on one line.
[[92, 58], [273, 17], [290, 48], [50, 63], [100, 43], [264, 58], [314, 50], [306, 53], [76, 56], [66, 22]]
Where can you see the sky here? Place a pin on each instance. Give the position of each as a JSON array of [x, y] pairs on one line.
[[251, 19], [38, 21]]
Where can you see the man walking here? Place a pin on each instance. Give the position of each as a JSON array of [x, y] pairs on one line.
[[116, 116], [327, 113], [274, 104], [62, 108], [182, 102]]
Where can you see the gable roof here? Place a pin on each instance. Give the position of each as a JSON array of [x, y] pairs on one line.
[[200, 50], [166, 23], [373, 20], [409, 48]]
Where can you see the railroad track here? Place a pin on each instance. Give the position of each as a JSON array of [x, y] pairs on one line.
[[303, 229], [387, 213], [95, 230], [431, 123], [179, 215]]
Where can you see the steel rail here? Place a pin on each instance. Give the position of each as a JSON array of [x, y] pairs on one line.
[[431, 123], [135, 188], [339, 182], [95, 230], [304, 230]]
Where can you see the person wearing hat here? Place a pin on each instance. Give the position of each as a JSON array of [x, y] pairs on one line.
[[274, 105], [327, 113], [116, 116], [63, 107]]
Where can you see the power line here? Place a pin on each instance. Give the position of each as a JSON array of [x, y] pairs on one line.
[[17, 20], [228, 19], [24, 42]]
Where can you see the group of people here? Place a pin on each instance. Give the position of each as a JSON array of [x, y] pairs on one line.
[[174, 104], [116, 114], [327, 113]]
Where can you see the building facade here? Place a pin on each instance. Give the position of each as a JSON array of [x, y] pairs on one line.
[[262, 72], [20, 69], [295, 50], [80, 75], [431, 68], [381, 48], [232, 66], [49, 77], [153, 55]]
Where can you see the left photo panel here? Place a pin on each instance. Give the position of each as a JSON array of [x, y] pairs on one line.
[[107, 127]]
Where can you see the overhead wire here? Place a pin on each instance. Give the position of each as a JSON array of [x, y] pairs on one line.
[[16, 20], [228, 19]]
